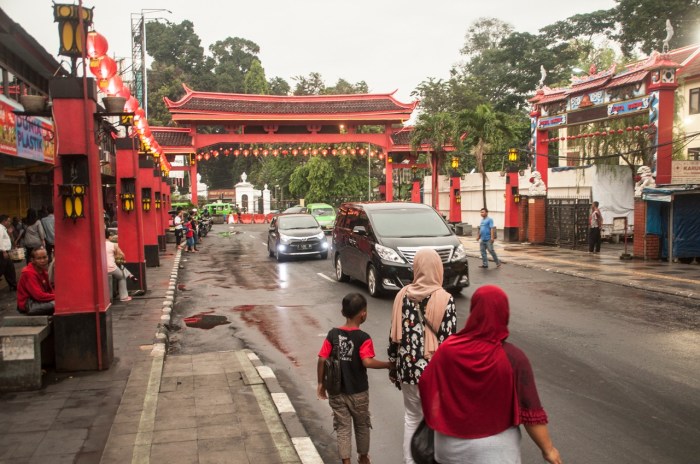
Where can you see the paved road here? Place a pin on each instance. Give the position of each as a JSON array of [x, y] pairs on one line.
[[616, 367]]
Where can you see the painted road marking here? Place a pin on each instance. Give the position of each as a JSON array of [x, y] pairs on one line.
[[144, 437], [325, 277]]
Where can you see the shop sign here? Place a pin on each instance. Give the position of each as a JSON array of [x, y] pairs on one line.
[[8, 135], [685, 172], [630, 106], [554, 121]]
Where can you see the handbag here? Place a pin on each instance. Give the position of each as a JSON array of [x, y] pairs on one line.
[[423, 444], [16, 254], [331, 367]]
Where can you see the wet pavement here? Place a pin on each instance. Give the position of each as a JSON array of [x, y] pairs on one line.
[[222, 406], [656, 276]]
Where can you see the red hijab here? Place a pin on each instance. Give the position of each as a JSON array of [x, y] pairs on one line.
[[468, 389]]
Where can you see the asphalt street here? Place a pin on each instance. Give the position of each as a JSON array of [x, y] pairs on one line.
[[616, 367]]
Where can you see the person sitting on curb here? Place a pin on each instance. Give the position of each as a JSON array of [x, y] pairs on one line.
[[35, 295], [116, 268]]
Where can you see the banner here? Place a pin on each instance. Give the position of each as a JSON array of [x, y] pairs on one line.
[[8, 137]]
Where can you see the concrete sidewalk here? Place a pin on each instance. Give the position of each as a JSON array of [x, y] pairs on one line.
[[656, 276], [207, 408]]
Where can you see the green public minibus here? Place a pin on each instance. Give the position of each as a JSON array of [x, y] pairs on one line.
[[219, 208]]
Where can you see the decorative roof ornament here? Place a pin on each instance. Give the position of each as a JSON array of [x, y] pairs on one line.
[[669, 35], [543, 75]]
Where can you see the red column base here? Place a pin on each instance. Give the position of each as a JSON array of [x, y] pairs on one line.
[[76, 341]]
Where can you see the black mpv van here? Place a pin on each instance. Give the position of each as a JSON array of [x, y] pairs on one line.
[[375, 243]]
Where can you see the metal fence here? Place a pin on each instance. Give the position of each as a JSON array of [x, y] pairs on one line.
[[567, 222]]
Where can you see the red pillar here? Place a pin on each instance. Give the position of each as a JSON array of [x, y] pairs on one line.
[[193, 183], [542, 155], [662, 89], [455, 200], [150, 230], [82, 321], [130, 222], [415, 191], [511, 225], [389, 170], [536, 219]]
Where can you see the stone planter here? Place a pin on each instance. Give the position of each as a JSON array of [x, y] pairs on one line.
[[33, 103]]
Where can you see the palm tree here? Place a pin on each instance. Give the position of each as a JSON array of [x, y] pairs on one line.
[[483, 127], [438, 130]]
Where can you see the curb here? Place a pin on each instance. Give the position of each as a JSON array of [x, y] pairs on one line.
[[161, 341], [308, 454], [596, 278]]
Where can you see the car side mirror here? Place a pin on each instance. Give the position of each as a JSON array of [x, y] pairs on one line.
[[359, 230]]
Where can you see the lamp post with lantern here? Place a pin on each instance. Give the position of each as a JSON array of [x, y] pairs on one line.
[[455, 192], [512, 197]]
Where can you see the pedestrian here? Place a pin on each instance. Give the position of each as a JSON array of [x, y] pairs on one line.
[[33, 235], [35, 295], [595, 223], [177, 222], [189, 235], [356, 354], [116, 268], [48, 222], [423, 317], [7, 267], [478, 389], [17, 229], [486, 236]]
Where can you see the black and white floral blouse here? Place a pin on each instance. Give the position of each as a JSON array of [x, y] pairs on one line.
[[408, 355]]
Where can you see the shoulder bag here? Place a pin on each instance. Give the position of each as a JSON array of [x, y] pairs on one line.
[[331, 367], [423, 444]]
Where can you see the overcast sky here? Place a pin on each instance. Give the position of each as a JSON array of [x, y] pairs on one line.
[[390, 44]]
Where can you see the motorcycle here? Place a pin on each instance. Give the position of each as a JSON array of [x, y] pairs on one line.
[[204, 225]]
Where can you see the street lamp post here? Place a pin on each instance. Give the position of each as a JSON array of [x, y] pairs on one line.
[[138, 54]]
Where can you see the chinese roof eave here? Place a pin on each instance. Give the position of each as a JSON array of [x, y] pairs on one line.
[[333, 117], [190, 94]]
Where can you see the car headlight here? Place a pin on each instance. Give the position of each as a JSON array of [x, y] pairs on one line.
[[320, 235], [460, 253], [285, 238], [388, 254]]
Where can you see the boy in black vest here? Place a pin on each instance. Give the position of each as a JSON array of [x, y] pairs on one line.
[[356, 352]]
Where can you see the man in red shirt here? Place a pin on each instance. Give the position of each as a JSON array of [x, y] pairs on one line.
[[35, 296]]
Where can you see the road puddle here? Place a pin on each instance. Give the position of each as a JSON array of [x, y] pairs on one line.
[[274, 321], [205, 320]]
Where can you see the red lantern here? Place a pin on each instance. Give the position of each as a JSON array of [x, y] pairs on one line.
[[295, 152], [597, 134], [216, 153], [103, 67], [236, 152], [637, 128], [645, 126], [97, 45], [285, 152], [206, 156], [343, 151], [604, 133], [199, 157], [275, 152], [362, 151], [562, 138], [629, 128], [314, 152], [352, 151], [620, 131], [131, 105], [111, 86], [255, 152], [246, 152], [265, 152], [334, 152], [305, 152], [324, 152]]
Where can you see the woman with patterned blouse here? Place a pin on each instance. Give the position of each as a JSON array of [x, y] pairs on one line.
[[423, 317]]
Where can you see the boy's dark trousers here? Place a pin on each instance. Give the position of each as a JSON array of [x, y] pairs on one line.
[[7, 269], [594, 240]]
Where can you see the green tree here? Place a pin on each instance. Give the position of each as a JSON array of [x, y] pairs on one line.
[[254, 81], [439, 130], [484, 129], [233, 58], [309, 85], [343, 87], [643, 23], [279, 86]]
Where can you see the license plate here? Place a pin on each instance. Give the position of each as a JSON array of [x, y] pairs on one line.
[[304, 246]]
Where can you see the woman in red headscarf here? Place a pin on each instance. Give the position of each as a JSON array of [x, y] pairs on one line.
[[423, 317], [478, 389]]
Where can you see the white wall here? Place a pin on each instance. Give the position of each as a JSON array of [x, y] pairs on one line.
[[611, 186]]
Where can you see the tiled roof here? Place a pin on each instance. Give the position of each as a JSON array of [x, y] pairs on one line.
[[172, 139], [402, 138], [691, 70], [289, 107], [592, 84], [629, 78], [552, 97]]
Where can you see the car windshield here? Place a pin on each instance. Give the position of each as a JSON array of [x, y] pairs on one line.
[[322, 212], [297, 222], [402, 223]]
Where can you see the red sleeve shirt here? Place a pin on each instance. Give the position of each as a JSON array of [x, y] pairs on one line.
[[366, 350], [35, 285]]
